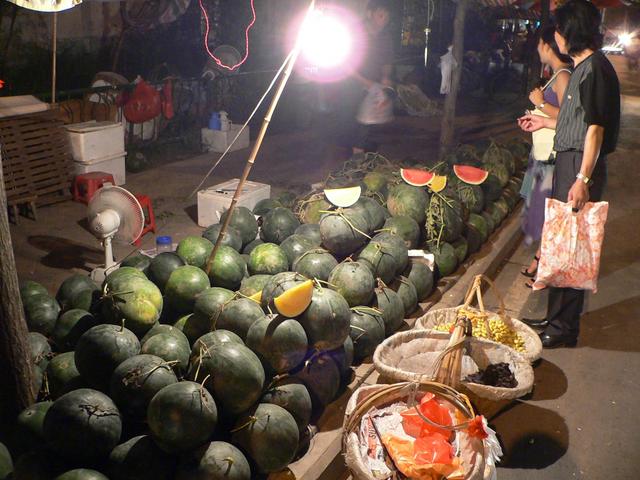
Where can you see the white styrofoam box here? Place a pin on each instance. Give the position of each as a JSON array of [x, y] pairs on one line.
[[213, 201], [21, 105], [93, 140], [218, 141], [113, 164]]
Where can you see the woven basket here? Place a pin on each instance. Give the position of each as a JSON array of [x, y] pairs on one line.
[[532, 343], [366, 398], [415, 356]]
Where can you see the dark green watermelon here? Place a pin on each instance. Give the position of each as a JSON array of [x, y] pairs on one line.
[[472, 196], [354, 281], [62, 375], [277, 285], [29, 426], [264, 205], [343, 355], [41, 312], [377, 213], [405, 227], [162, 266], [182, 416], [280, 342], [82, 425], [343, 231], [206, 311], [422, 277], [291, 394], [228, 269], [492, 188], [446, 259], [81, 474], [135, 300], [214, 461], [204, 345], [30, 288], [480, 224], [407, 292], [268, 259], [171, 347], [296, 245], [444, 219], [367, 331], [183, 286], [251, 245], [195, 250], [40, 350], [321, 376], [141, 459], [139, 261], [239, 315], [395, 245], [326, 320], [461, 247], [70, 327], [101, 349], [244, 221], [253, 284], [391, 308], [379, 259], [71, 287], [232, 236], [269, 434], [310, 209], [278, 224], [408, 200], [310, 231], [316, 263]]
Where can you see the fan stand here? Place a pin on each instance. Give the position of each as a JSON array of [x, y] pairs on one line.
[[98, 274]]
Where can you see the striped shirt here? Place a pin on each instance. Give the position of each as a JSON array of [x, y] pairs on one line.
[[592, 97]]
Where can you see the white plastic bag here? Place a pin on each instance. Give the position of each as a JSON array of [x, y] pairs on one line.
[[447, 64], [377, 106]]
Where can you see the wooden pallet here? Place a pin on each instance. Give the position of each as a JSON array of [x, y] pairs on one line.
[[36, 159]]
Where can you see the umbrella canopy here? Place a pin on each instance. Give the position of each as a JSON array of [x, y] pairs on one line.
[[47, 5]]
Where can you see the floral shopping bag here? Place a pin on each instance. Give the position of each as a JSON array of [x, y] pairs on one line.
[[571, 245]]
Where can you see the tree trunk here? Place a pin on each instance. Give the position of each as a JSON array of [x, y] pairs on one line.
[[447, 130], [16, 387]]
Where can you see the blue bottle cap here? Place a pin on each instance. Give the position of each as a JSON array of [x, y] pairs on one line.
[[165, 240]]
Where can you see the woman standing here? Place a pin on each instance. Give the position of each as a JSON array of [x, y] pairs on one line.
[[586, 132], [536, 187]]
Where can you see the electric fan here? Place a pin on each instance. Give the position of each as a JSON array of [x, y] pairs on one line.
[[113, 213]]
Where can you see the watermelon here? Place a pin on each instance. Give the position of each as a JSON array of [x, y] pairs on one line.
[[239, 315], [182, 416], [159, 328], [195, 251], [343, 197], [503, 206], [361, 208], [376, 182], [245, 222], [37, 465], [367, 331], [236, 376], [287, 198], [277, 285], [470, 175], [228, 268], [343, 231], [71, 287], [391, 309], [135, 300], [264, 205], [310, 210], [139, 261], [116, 277], [416, 177], [354, 281], [316, 263], [499, 171], [39, 349], [172, 348], [232, 236], [296, 245], [471, 196], [467, 155], [41, 312], [88, 300], [253, 284], [269, 434], [81, 474], [322, 377], [247, 249], [278, 224], [62, 375], [291, 394], [206, 310], [461, 247], [162, 266], [280, 342], [101, 349], [82, 425], [343, 356], [446, 259], [404, 227], [29, 426], [395, 246], [407, 200], [326, 320], [310, 231], [407, 292], [136, 380], [268, 259], [422, 277], [136, 162], [379, 259], [141, 459], [70, 327], [495, 213], [183, 286], [214, 461], [492, 188], [30, 288], [205, 343], [444, 219], [377, 213]]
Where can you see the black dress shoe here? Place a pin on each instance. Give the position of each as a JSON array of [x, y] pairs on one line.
[[557, 341], [536, 322]]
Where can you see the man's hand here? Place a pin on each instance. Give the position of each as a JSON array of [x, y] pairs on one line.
[[578, 194], [536, 96], [531, 123]]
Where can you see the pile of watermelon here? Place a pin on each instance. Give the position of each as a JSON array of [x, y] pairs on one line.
[[165, 371]]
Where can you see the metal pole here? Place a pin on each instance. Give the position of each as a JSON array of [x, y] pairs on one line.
[[54, 59], [256, 147]]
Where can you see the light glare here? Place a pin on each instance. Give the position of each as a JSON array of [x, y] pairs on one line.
[[326, 41], [625, 39]]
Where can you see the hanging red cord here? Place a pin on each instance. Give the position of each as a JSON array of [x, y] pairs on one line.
[[246, 38]]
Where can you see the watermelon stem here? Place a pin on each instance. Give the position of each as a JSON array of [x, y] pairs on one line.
[[276, 379], [251, 421], [369, 310]]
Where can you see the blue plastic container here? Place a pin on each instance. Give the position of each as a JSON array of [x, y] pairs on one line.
[[214, 121]]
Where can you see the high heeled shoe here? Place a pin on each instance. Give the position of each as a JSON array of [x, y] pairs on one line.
[[529, 274]]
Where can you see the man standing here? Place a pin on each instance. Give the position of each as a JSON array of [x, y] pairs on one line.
[[586, 132]]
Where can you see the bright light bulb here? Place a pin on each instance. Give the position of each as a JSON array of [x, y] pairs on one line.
[[326, 41], [625, 38]]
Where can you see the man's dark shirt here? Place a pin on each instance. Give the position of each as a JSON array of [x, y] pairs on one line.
[[377, 52]]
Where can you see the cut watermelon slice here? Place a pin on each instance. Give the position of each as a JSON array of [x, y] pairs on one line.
[[343, 197], [470, 175], [438, 183], [416, 177]]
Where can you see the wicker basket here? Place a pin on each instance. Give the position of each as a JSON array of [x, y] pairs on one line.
[[416, 355], [366, 398], [532, 343]]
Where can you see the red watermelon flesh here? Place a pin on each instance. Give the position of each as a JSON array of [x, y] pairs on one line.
[[415, 176], [470, 175]]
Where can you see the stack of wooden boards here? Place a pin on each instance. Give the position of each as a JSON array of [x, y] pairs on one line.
[[36, 160]]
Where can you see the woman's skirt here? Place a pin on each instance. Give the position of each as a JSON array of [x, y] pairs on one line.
[[536, 188]]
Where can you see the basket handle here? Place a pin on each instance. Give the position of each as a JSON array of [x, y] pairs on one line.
[[476, 288]]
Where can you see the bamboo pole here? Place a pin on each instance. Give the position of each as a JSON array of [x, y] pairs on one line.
[[54, 60], [256, 147]]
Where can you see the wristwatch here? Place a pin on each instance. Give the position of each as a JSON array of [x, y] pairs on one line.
[[584, 178], [542, 105]]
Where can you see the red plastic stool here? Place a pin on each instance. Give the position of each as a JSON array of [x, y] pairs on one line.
[[149, 217], [86, 185]]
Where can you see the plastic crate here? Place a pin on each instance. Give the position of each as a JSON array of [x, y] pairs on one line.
[[114, 165], [95, 140], [218, 140], [213, 201]]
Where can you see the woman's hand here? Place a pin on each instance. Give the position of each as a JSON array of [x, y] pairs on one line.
[[578, 194], [531, 123], [536, 96]]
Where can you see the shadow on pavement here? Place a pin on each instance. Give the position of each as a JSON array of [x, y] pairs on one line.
[[65, 253], [550, 382], [613, 327], [540, 439]]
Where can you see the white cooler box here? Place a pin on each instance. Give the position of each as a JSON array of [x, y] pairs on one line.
[[218, 141], [93, 140], [112, 164], [213, 201]]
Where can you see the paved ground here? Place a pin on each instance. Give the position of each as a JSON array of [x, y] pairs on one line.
[[580, 421]]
